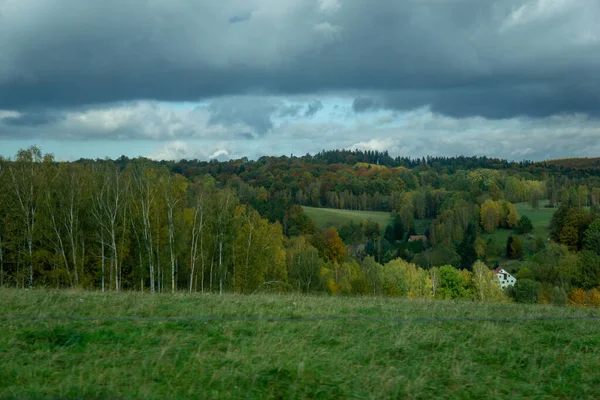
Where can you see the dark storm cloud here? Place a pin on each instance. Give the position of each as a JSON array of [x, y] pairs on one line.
[[240, 18], [255, 113], [363, 103], [461, 57], [32, 119]]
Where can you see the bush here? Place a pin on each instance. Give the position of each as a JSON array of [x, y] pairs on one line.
[[527, 291], [581, 298]]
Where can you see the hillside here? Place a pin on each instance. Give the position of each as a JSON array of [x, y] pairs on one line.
[[327, 217], [575, 163]]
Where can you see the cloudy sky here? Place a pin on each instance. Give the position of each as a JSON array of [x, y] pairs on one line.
[[171, 79]]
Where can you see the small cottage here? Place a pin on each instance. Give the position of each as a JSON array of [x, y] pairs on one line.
[[414, 238], [504, 277]]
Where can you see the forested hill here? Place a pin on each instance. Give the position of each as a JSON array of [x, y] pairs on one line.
[[575, 167], [572, 164], [241, 225]]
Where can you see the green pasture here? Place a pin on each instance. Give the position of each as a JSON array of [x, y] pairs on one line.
[[328, 217], [420, 358]]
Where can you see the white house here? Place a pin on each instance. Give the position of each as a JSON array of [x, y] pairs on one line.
[[504, 277]]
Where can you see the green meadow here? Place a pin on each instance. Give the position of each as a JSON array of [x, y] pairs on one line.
[[540, 219], [328, 217], [456, 357]]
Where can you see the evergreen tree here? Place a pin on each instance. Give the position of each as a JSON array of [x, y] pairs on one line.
[[524, 225], [398, 228], [466, 249]]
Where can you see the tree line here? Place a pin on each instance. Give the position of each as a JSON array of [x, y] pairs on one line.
[[135, 224], [140, 227]]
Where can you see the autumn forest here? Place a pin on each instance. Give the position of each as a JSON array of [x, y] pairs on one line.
[[241, 226]]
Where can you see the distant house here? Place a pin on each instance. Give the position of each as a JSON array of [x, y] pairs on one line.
[[504, 277], [414, 238]]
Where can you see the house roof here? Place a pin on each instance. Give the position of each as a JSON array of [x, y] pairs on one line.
[[498, 269], [417, 237]]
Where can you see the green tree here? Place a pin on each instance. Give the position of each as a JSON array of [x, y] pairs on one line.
[[389, 234], [555, 265], [569, 224], [485, 284], [26, 180], [591, 237], [569, 236], [371, 229], [527, 291], [466, 249], [525, 273], [303, 266], [514, 247], [373, 274], [524, 225], [259, 256], [398, 228], [451, 283], [588, 270]]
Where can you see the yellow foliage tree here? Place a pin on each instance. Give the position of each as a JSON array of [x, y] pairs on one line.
[[594, 298], [513, 216], [485, 284], [334, 246], [578, 298], [259, 254], [490, 215]]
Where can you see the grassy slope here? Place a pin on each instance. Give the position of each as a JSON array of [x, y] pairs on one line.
[[326, 217], [325, 359], [541, 221]]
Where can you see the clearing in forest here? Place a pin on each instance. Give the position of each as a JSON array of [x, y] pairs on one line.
[[327, 217]]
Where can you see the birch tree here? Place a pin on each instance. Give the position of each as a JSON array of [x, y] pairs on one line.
[[198, 225], [174, 193], [487, 287], [224, 208], [303, 265], [109, 213], [26, 188], [54, 206], [258, 252], [145, 196]]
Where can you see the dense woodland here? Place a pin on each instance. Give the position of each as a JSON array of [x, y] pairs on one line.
[[239, 226]]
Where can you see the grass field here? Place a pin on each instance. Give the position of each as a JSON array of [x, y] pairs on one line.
[[541, 222], [327, 217], [294, 359], [540, 218]]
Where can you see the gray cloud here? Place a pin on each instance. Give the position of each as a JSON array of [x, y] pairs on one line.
[[461, 57], [193, 133], [33, 119], [240, 18], [363, 103], [313, 108], [290, 111], [255, 112]]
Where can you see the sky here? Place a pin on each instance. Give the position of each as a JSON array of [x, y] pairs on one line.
[[187, 79]]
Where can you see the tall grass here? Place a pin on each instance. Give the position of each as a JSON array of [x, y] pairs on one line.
[[319, 359]]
